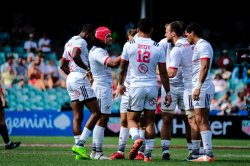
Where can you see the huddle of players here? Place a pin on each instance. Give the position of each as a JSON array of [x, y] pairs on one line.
[[175, 58]]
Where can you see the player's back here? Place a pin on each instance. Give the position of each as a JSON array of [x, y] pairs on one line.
[[144, 54], [76, 41], [124, 55]]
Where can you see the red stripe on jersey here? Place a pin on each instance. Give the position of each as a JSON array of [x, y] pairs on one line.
[[204, 58], [173, 68], [78, 48], [64, 59], [123, 60], [69, 54], [106, 60]]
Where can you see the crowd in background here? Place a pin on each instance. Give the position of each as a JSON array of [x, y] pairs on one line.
[[31, 58]]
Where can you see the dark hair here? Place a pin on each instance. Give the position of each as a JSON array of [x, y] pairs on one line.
[[178, 27], [228, 93], [145, 25], [196, 28], [88, 28], [131, 32]]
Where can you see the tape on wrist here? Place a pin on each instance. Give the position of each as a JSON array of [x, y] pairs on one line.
[[120, 85], [198, 86]]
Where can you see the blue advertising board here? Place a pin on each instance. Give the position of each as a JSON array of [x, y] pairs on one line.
[[52, 123], [41, 123]]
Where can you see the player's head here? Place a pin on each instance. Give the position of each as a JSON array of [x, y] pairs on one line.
[[89, 31], [193, 31], [103, 34], [131, 33], [174, 30], [196, 29], [145, 25]]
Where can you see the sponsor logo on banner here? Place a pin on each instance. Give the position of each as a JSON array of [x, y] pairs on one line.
[[114, 124], [35, 124], [62, 122], [245, 127]]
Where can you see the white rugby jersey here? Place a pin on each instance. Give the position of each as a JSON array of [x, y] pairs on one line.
[[144, 54], [167, 47], [181, 59], [124, 56], [76, 41], [202, 50], [102, 74]]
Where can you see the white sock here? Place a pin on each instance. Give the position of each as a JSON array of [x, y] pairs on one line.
[[123, 135], [123, 139], [77, 137], [196, 144], [149, 147], [165, 145], [134, 132], [142, 134], [98, 136], [190, 146], [85, 134], [207, 140], [149, 144]]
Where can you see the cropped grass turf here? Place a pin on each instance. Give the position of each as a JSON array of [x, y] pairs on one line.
[[57, 151]]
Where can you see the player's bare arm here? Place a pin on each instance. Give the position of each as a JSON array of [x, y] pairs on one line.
[[64, 66], [205, 63], [165, 82], [172, 72], [77, 58], [122, 76], [114, 62]]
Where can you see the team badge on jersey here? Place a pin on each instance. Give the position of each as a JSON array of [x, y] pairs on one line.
[[143, 68], [152, 101]]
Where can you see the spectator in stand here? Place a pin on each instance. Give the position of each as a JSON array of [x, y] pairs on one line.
[[239, 105], [240, 74], [44, 44], [220, 84], [31, 55], [53, 75], [9, 62], [22, 71], [214, 106], [225, 60], [8, 77], [36, 78], [30, 43], [35, 75], [227, 71], [225, 104]]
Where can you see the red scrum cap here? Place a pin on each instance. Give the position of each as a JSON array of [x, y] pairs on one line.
[[101, 33]]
